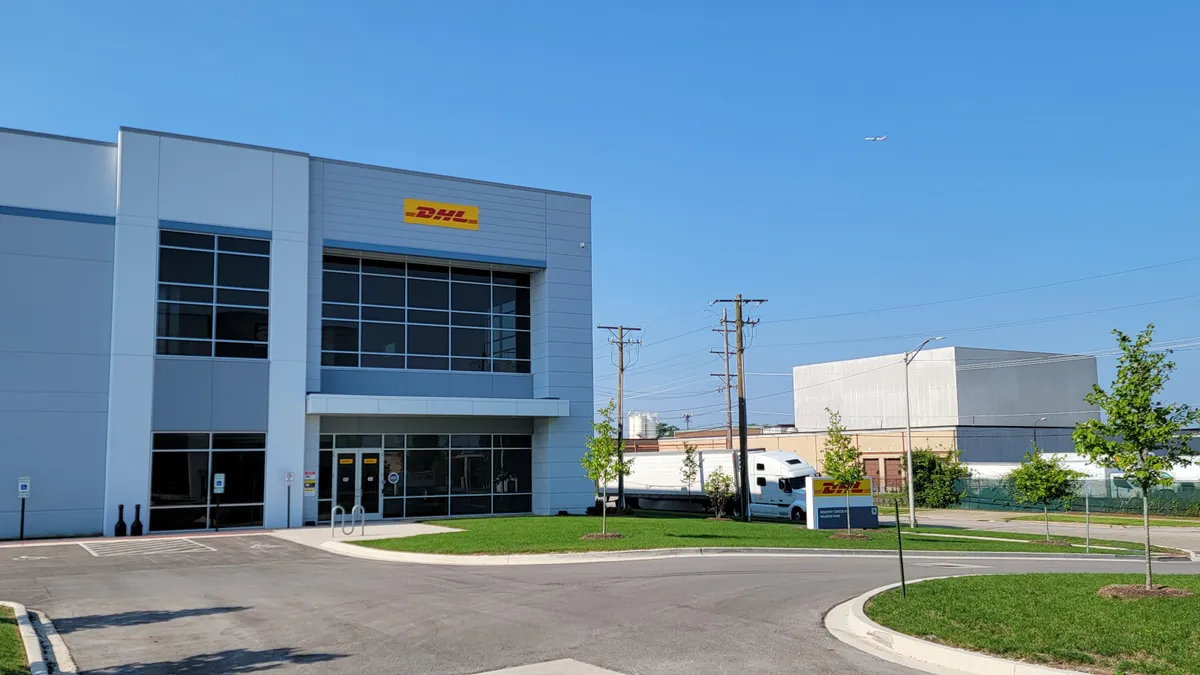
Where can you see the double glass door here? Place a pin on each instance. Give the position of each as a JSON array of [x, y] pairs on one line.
[[356, 480]]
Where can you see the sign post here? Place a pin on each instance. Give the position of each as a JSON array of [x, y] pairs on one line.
[[218, 489], [23, 489], [288, 479]]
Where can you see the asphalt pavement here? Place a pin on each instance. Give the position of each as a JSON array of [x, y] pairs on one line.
[[257, 602]]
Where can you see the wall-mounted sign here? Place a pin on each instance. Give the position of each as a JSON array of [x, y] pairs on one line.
[[424, 212], [310, 483]]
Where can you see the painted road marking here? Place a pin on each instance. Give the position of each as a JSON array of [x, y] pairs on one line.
[[560, 667], [108, 549], [953, 565]]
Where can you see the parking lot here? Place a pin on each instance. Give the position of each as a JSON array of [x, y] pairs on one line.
[[239, 604]]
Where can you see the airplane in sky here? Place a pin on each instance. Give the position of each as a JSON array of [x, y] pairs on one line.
[[875, 139]]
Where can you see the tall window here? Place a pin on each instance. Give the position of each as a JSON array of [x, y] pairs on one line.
[[182, 469], [390, 314], [436, 474], [212, 295]]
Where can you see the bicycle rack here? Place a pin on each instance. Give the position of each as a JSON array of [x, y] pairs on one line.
[[357, 513]]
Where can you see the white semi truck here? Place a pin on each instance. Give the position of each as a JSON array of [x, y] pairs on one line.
[[776, 482]]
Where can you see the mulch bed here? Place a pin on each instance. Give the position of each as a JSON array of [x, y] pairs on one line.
[[1139, 591], [854, 536], [607, 535]]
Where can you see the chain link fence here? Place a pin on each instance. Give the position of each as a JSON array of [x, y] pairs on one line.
[[1098, 496]]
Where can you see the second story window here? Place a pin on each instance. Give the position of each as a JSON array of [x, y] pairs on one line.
[[392, 314], [212, 295]]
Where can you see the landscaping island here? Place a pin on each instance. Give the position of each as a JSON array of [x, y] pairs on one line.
[[1053, 619], [12, 649], [559, 534]]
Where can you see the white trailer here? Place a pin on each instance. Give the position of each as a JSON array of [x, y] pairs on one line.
[[776, 482]]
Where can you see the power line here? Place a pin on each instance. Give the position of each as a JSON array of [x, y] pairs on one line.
[[971, 329], [984, 295]]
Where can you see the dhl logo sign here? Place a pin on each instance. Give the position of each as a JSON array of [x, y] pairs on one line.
[[424, 212], [830, 488]]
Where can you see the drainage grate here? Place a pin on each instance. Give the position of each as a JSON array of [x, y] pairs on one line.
[[108, 549]]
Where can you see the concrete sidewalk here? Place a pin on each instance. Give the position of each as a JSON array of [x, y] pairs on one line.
[[1187, 538], [316, 537]]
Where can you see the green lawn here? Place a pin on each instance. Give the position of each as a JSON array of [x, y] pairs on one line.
[[1053, 618], [552, 534], [12, 650], [1133, 521]]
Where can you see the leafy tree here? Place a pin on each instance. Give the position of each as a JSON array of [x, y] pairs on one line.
[[690, 469], [663, 429], [603, 461], [841, 459], [719, 488], [1044, 480], [1140, 435], [934, 474]]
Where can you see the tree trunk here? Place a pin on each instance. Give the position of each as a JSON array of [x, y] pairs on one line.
[[847, 510], [1146, 523], [1046, 513], [604, 511]]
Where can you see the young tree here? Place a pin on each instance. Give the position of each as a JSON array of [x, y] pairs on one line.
[[841, 459], [1140, 435], [1044, 480], [719, 488], [690, 470], [934, 475], [602, 461]]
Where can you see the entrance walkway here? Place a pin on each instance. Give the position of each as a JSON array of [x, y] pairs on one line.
[[316, 536]]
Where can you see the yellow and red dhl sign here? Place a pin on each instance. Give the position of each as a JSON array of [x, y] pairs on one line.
[[424, 212], [823, 487]]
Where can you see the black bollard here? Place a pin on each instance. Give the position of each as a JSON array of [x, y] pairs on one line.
[[135, 530], [119, 530]]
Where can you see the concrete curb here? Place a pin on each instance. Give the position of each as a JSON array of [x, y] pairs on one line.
[[33, 648], [379, 555], [849, 623]]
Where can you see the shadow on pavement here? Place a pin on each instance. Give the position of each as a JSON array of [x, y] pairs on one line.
[[228, 662], [136, 618]]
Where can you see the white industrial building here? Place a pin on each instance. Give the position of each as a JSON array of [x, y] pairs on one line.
[[992, 401]]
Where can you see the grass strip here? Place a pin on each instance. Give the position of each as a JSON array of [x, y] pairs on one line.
[[1054, 619]]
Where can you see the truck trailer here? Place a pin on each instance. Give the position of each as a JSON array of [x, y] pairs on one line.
[[777, 486]]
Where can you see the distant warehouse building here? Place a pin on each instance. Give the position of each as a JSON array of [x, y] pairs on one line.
[[237, 336], [991, 404]]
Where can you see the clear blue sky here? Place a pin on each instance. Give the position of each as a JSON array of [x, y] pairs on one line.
[[1029, 143]]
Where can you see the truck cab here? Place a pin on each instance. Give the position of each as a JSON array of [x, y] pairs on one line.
[[777, 485]]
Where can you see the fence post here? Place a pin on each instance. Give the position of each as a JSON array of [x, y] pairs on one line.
[[1087, 519]]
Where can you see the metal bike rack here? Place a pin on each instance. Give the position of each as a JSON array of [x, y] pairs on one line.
[[357, 513]]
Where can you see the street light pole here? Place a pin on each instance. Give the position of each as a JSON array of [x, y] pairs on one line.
[[908, 358], [1035, 431]]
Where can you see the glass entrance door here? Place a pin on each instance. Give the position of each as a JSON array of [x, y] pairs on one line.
[[368, 482], [356, 477]]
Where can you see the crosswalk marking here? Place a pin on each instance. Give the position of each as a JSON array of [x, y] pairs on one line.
[[108, 549]]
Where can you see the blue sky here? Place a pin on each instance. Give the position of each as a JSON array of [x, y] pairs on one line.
[[1029, 143]]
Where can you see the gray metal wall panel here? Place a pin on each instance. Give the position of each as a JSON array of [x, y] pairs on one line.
[[366, 205], [419, 383], [240, 395], [1009, 444], [54, 366], [182, 394], [316, 229], [210, 395]]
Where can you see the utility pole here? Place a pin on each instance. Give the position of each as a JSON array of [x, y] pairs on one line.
[[743, 456], [724, 330], [618, 339]]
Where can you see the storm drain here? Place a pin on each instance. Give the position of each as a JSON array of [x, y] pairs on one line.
[[109, 549]]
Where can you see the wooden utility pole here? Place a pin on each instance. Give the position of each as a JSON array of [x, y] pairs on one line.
[[618, 339], [724, 330], [743, 457]]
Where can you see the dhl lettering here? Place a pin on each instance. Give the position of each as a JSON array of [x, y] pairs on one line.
[[830, 488], [423, 212]]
